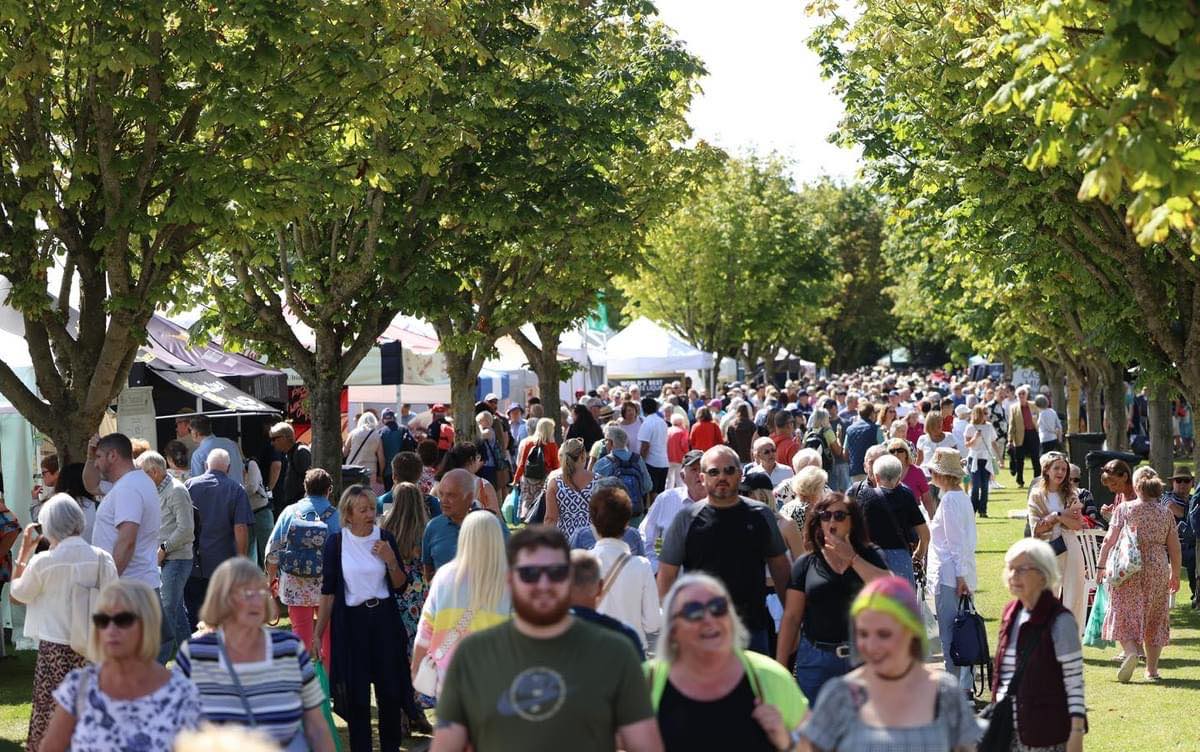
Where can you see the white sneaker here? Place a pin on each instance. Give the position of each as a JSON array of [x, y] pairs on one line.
[[995, 484], [1125, 672]]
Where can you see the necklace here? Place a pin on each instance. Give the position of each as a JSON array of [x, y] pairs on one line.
[[899, 676]]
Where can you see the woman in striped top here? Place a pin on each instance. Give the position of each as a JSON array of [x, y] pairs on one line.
[[250, 675], [1038, 633]]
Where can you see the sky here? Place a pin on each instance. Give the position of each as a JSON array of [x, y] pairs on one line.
[[764, 91]]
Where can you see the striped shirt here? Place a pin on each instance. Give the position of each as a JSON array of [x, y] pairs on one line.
[[280, 687], [1067, 650]]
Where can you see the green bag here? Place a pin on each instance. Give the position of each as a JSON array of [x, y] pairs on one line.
[[1092, 633], [326, 708]]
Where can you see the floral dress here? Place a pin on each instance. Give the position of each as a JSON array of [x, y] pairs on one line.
[[1139, 608], [412, 600], [146, 724]]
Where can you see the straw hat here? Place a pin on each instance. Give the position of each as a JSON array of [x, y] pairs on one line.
[[947, 461]]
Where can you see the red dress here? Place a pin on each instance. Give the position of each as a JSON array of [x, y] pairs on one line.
[[706, 434]]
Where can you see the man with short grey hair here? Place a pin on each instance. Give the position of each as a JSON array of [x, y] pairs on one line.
[[223, 519], [894, 519], [619, 460], [176, 535], [439, 542]]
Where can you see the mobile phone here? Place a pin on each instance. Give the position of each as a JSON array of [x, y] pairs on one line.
[[38, 527]]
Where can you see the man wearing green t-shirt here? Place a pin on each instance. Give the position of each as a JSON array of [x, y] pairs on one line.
[[544, 680]]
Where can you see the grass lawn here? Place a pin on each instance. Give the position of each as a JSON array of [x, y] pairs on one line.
[[1134, 717]]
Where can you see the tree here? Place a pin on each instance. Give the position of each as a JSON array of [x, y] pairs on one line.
[[124, 131]]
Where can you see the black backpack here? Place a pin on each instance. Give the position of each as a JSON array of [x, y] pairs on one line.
[[535, 463], [814, 440]]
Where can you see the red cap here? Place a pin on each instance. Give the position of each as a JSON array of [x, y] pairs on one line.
[[438, 408]]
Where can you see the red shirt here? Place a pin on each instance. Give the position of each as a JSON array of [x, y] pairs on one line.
[[706, 434], [785, 448], [677, 444]]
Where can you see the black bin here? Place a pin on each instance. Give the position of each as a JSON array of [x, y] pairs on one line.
[[1078, 447], [1097, 460], [352, 474]]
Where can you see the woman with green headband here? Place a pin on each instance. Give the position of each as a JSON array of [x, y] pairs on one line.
[[893, 700]]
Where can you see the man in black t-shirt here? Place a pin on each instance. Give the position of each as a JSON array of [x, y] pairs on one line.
[[731, 538], [297, 461], [894, 519]]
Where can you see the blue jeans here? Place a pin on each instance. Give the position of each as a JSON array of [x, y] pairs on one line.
[[946, 605], [899, 561], [814, 667], [175, 630], [260, 534], [979, 486], [840, 480]]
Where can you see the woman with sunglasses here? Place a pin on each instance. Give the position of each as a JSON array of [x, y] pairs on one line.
[[1056, 516], [824, 582], [125, 700], [708, 691], [468, 594], [250, 675], [912, 476], [43, 582], [361, 573], [893, 701]]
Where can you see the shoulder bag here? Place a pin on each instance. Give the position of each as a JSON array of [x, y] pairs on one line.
[[427, 681], [83, 604], [1126, 559], [1000, 731], [613, 574]]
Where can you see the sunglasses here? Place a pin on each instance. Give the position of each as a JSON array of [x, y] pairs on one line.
[[766, 451], [694, 611], [531, 574], [123, 620], [898, 450], [713, 472], [825, 515]]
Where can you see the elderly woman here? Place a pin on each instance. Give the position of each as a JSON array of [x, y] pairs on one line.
[[911, 476], [808, 486], [893, 701], [933, 439], [360, 577], [249, 675], [125, 700], [1041, 637], [487, 447], [1056, 516], [1139, 607], [952, 537], [537, 457], [364, 447], [824, 581], [786, 491], [629, 593], [705, 433], [44, 583], [708, 691]]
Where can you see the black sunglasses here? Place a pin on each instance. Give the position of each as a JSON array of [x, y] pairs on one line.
[[825, 515], [694, 610], [531, 574], [898, 450], [123, 620], [713, 472]]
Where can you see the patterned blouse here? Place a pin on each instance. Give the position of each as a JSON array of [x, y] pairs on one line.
[[146, 724], [573, 506]]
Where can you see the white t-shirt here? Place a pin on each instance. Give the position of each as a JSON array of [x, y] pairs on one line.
[[654, 433], [928, 446], [1048, 425], [981, 449], [133, 498], [363, 572]]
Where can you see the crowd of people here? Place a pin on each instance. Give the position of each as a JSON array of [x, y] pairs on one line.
[[757, 569]]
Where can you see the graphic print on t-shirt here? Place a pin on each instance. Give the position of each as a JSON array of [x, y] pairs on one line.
[[536, 694]]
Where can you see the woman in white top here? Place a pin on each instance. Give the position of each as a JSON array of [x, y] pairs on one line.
[[1049, 427], [951, 550], [629, 593], [1056, 514], [979, 437], [933, 439], [44, 582], [364, 448]]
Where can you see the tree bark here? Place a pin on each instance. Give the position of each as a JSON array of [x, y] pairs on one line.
[[1072, 403], [464, 385], [1115, 415], [1162, 450], [325, 396], [1095, 409], [543, 360]]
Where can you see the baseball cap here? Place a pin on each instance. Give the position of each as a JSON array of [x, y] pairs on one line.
[[438, 408], [388, 413], [491, 397], [755, 482], [692, 457]]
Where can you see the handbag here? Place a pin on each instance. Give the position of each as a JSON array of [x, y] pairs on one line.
[[1059, 545], [426, 680], [83, 604], [998, 737], [968, 642], [1126, 560], [536, 514]]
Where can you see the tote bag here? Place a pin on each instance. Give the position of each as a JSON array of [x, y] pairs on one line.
[[1126, 559]]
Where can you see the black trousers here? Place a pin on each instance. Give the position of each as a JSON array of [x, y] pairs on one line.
[[379, 656], [1030, 448], [193, 597]]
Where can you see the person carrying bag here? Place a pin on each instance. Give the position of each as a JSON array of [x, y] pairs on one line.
[[1001, 730]]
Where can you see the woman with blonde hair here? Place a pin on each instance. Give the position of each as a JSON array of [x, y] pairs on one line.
[[537, 457], [406, 521], [364, 447], [125, 700], [569, 490], [1139, 607], [251, 675], [1056, 516], [808, 487], [468, 594]]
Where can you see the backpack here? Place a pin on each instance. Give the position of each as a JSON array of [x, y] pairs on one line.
[[302, 555], [969, 644], [535, 463], [630, 475], [814, 440]]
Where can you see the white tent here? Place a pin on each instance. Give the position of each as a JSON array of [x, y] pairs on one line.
[[644, 348]]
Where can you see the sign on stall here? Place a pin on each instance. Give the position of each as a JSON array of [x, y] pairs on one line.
[[135, 414]]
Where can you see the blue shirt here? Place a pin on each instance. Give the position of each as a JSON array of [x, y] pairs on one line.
[[318, 504], [585, 538], [606, 621], [432, 505], [217, 442], [860, 436], [220, 503], [439, 544], [395, 439], [606, 467]]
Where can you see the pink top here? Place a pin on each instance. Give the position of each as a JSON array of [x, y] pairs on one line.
[[914, 478]]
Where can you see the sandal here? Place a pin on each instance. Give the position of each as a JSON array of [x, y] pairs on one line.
[[1153, 678]]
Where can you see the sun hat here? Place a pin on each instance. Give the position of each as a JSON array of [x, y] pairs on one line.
[[606, 413], [895, 597], [1182, 474], [947, 461], [962, 411], [491, 397]]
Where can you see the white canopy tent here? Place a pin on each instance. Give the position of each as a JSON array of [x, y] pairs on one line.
[[644, 348]]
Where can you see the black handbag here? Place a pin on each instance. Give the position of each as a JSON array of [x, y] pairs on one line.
[[1000, 730], [536, 514], [1059, 545]]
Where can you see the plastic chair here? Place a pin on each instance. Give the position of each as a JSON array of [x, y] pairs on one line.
[[1090, 540]]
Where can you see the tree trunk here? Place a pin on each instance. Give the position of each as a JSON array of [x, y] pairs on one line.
[[325, 396], [1072, 403], [769, 369], [1162, 451], [543, 359], [464, 385], [1115, 415], [1058, 392], [1008, 369], [70, 434], [1095, 407]]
